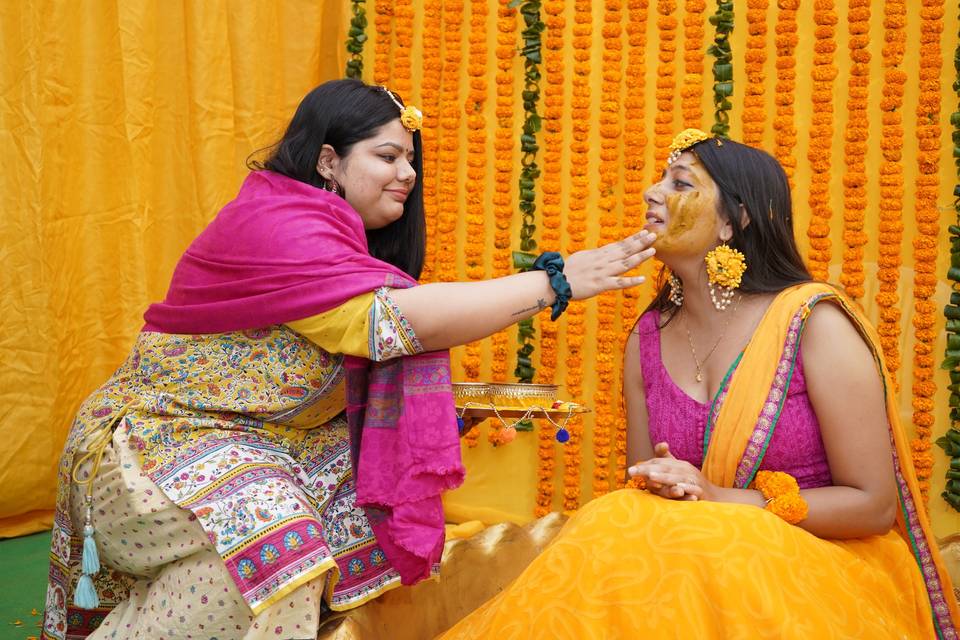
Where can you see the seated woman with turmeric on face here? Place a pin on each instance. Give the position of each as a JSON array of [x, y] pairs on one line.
[[773, 495]]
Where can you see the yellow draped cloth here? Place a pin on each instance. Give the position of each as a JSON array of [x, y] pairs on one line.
[[632, 564]]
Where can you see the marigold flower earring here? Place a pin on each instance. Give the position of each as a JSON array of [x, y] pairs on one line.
[[725, 268], [676, 290]]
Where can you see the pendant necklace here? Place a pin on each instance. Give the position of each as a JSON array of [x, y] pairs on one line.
[[700, 364]]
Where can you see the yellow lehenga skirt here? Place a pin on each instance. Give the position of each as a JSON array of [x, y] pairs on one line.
[[634, 565]]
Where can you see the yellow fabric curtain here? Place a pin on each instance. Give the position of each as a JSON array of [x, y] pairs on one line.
[[125, 126]]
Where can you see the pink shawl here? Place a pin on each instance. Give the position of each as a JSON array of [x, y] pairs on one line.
[[283, 250]]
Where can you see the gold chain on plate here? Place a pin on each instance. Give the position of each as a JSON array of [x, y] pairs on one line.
[[526, 416]]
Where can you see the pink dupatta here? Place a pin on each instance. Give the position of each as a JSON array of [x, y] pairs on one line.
[[283, 250]]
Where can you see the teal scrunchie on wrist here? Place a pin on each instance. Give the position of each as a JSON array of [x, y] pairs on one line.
[[552, 263]]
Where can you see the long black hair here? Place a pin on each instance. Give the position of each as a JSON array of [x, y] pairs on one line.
[[752, 178], [341, 113]]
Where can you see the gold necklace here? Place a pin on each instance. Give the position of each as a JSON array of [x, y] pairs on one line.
[[693, 351]]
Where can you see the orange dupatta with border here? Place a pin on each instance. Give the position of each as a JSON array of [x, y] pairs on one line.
[[746, 419]]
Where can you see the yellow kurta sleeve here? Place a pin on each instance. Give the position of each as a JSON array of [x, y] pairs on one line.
[[344, 329], [368, 326]]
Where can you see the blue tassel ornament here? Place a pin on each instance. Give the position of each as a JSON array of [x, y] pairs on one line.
[[85, 595], [90, 559]]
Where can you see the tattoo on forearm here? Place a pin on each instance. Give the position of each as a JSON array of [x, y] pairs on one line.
[[540, 306]]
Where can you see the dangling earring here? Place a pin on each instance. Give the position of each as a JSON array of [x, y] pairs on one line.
[[332, 186], [329, 184], [676, 290], [725, 267]]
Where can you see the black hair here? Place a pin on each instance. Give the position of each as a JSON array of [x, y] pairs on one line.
[[751, 177], [341, 113]]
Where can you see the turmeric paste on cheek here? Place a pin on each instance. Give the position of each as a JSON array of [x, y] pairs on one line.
[[691, 222]]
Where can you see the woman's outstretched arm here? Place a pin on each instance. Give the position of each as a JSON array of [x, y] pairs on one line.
[[447, 314]]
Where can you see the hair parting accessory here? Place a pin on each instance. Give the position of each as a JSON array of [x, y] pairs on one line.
[[686, 139], [410, 117], [552, 263]]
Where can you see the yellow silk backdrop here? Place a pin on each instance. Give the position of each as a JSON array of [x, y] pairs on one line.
[[126, 126]]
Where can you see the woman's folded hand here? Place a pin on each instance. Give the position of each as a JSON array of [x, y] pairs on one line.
[[671, 478]]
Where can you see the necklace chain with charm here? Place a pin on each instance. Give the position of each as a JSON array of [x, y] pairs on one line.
[[700, 364]]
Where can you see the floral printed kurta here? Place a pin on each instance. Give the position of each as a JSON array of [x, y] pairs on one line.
[[226, 463]]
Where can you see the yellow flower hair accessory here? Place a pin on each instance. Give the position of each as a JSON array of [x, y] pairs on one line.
[[410, 117], [782, 494], [683, 141]]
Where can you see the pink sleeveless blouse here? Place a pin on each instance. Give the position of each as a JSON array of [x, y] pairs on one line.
[[679, 420]]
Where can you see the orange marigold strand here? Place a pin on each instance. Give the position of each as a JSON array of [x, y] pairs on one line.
[[821, 133], [635, 140], [927, 216], [785, 138], [449, 200], [608, 177], [383, 23], [475, 186], [581, 116], [504, 142], [891, 187], [430, 100], [553, 89], [401, 80], [856, 135], [691, 92], [666, 82], [754, 109]]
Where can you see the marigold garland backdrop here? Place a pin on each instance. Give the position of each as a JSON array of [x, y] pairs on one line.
[[127, 127]]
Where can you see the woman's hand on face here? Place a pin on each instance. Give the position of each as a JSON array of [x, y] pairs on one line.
[[594, 271], [671, 478]]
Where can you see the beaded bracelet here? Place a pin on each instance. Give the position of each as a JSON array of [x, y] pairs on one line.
[[552, 263], [782, 494]]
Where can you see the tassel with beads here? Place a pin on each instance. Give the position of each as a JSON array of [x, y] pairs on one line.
[[90, 559], [85, 595]]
